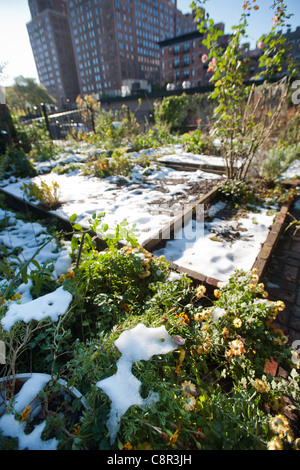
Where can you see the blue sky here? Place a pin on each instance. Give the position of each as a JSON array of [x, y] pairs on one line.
[[15, 47]]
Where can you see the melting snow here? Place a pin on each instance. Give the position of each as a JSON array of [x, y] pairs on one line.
[[123, 388]]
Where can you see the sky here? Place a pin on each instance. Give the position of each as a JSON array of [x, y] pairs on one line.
[[15, 49]]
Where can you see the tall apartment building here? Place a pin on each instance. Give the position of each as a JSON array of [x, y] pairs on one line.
[[117, 40], [181, 59], [50, 38]]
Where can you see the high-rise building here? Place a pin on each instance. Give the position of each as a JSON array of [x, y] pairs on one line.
[[117, 40], [50, 38]]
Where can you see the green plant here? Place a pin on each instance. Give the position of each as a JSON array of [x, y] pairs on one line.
[[196, 142], [16, 163], [46, 194], [244, 116], [277, 160]]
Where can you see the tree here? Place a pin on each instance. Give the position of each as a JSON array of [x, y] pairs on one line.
[[26, 93], [245, 115]]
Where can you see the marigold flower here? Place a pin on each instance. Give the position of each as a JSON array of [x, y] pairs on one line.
[[280, 305], [184, 317], [200, 316], [16, 297], [200, 291], [275, 444], [127, 446], [25, 414], [279, 425], [76, 430], [260, 385], [217, 293], [236, 348], [237, 322]]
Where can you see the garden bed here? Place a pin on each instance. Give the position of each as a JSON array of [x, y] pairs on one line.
[[158, 201]]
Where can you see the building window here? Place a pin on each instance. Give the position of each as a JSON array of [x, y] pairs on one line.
[[176, 49], [176, 62]]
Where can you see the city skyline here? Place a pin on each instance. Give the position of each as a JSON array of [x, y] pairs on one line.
[[16, 49]]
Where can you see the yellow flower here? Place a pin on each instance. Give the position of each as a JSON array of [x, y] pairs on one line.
[[25, 414], [280, 305], [16, 297], [174, 437], [200, 316], [279, 425], [127, 446], [265, 294], [260, 385], [200, 291], [189, 403], [261, 286], [184, 317], [237, 322], [252, 287], [217, 293], [76, 430], [275, 444], [254, 277]]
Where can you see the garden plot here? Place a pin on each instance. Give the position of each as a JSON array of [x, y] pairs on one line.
[[148, 198], [227, 239], [175, 156]]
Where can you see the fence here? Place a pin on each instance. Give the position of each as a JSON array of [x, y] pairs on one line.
[[60, 125]]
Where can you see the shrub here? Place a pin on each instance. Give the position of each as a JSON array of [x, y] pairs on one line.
[[46, 194], [277, 160]]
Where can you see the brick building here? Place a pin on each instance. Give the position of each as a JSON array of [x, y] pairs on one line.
[[52, 48], [117, 40], [181, 59]]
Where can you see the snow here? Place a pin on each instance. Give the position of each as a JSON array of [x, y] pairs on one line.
[[137, 198], [11, 427], [50, 305], [28, 238], [202, 253], [292, 172], [123, 388]]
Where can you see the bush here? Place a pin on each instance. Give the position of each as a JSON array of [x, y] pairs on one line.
[[16, 163], [278, 159]]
